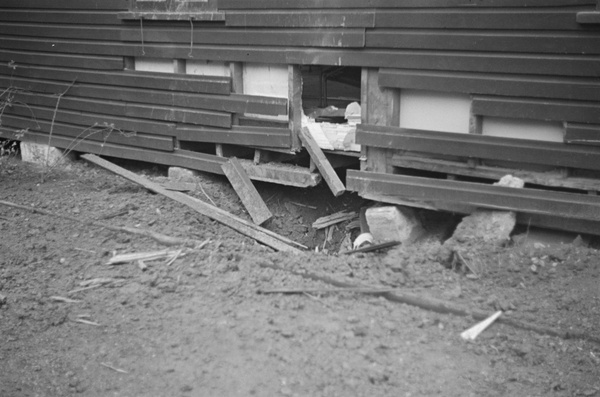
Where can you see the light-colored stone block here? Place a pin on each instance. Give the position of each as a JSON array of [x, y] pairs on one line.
[[178, 174], [44, 155], [393, 223]]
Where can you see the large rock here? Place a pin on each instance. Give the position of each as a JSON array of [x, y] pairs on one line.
[[393, 223], [178, 174], [483, 229], [45, 155]]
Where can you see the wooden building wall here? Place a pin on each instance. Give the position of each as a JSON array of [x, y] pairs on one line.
[[69, 68]]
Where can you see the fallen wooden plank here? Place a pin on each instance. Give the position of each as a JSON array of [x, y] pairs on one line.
[[242, 226], [334, 219], [331, 178], [239, 179]]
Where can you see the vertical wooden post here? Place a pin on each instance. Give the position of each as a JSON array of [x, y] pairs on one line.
[[295, 104], [475, 127], [379, 106], [236, 69]]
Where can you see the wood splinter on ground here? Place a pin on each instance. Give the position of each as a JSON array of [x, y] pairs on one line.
[[478, 328], [145, 256], [334, 219]]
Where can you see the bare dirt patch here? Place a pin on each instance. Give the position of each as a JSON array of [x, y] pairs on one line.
[[198, 327]]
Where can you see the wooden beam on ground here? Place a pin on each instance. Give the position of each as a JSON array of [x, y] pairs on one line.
[[324, 166], [261, 235], [234, 171]]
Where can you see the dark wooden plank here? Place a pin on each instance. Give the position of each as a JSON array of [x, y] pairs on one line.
[[316, 154], [137, 111], [301, 4], [127, 78], [481, 40], [446, 167], [100, 133], [538, 64], [90, 119], [237, 135], [480, 146], [112, 33], [478, 19], [530, 201], [60, 16], [61, 60], [588, 17], [234, 103], [305, 19], [234, 36], [235, 173], [583, 112], [67, 4], [495, 84], [204, 16], [583, 134]]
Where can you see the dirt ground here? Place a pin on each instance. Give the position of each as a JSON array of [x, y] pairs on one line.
[[199, 327]]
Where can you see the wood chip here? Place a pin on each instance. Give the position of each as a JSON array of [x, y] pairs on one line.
[[63, 299], [334, 219], [82, 321], [142, 256], [114, 368]]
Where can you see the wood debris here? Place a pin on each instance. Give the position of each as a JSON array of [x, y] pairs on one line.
[[63, 299], [143, 256], [334, 219], [86, 322], [122, 371], [249, 229]]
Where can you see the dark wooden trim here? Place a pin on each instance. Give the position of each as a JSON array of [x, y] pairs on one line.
[[100, 133], [234, 103], [446, 167], [257, 37], [127, 78], [309, 4], [90, 119], [526, 108], [480, 146], [60, 60], [493, 84], [539, 64], [133, 110], [427, 190], [69, 17], [552, 42], [472, 18], [201, 16], [237, 135], [306, 19], [582, 134], [67, 4], [588, 17]]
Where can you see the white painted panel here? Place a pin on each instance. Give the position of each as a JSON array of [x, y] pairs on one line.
[[154, 65], [434, 111], [207, 68], [523, 129], [266, 80]]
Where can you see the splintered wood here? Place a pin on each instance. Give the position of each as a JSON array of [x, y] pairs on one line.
[[334, 219]]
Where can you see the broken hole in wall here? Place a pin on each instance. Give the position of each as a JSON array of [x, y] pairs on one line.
[[331, 105]]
